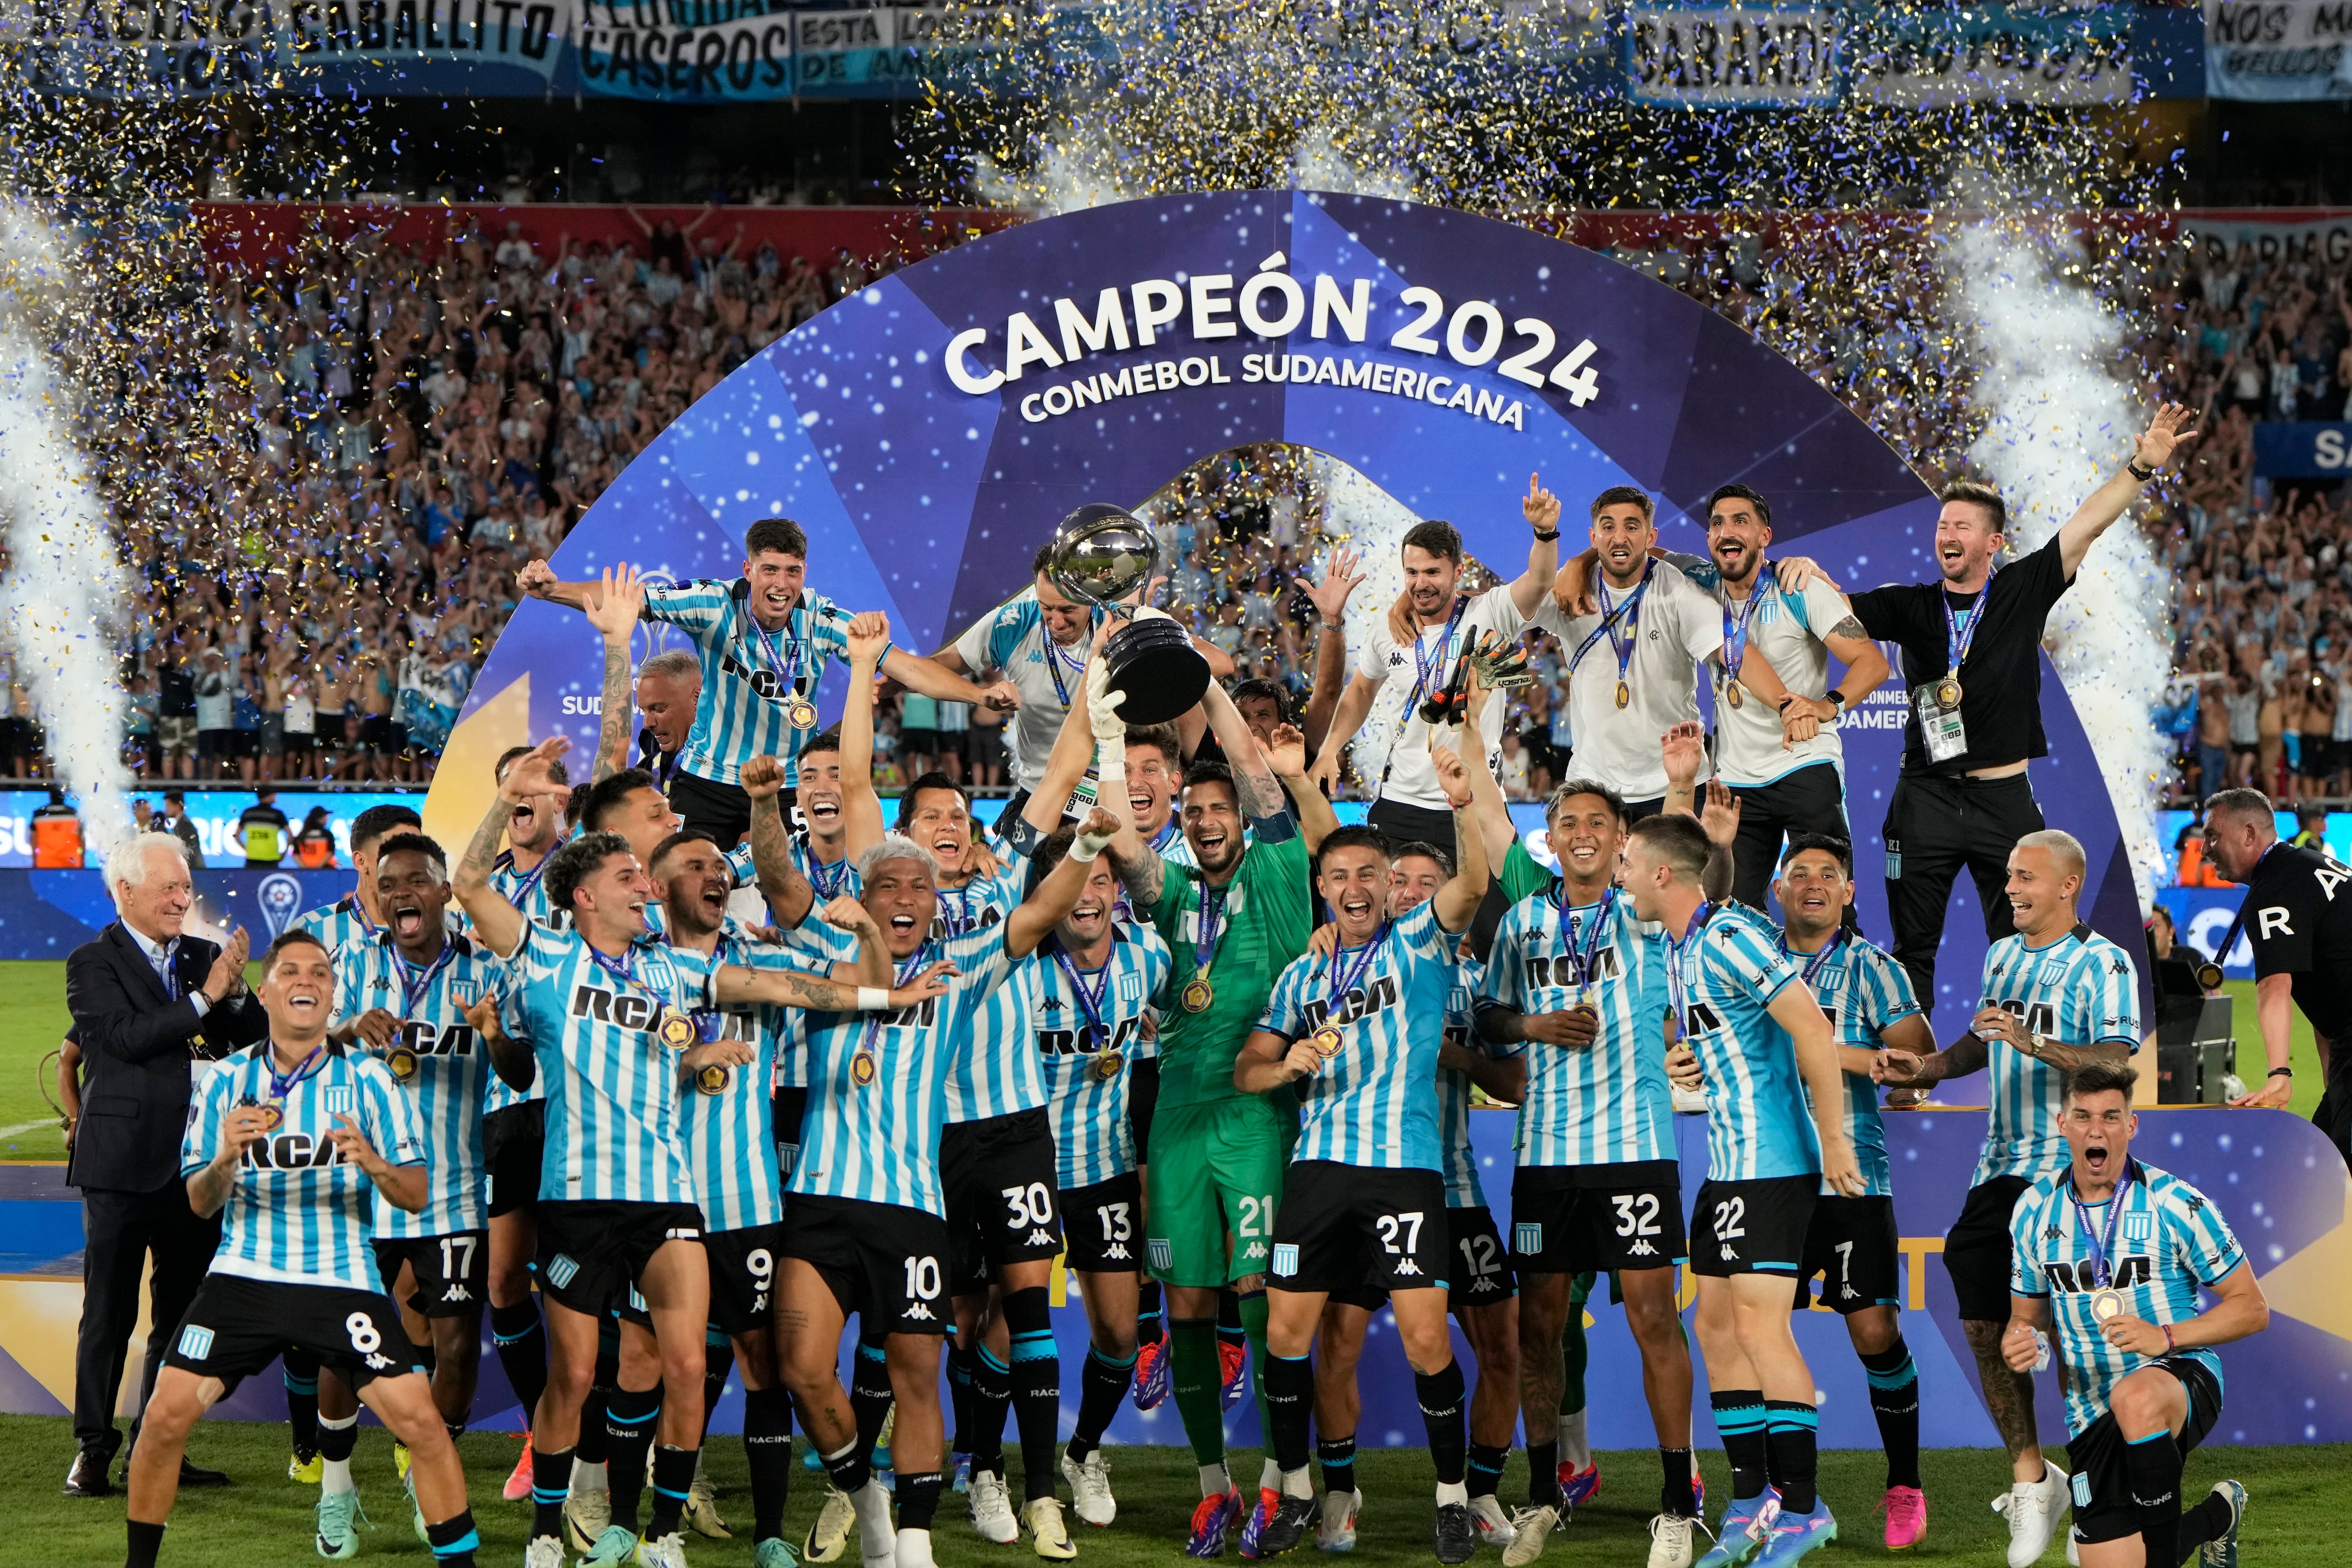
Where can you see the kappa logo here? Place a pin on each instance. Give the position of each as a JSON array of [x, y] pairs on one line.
[[561, 1269], [1285, 1260], [760, 1302], [1407, 1266], [379, 1361], [1258, 1250], [1118, 1250], [918, 1311], [195, 1341], [1527, 1237], [1848, 1293], [1163, 1256], [1730, 1253], [1039, 1237], [1640, 1249], [456, 1292]]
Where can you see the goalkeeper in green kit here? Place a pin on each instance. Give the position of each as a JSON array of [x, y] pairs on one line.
[[1217, 1155]]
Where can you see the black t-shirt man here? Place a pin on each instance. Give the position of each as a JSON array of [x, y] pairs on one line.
[[2299, 919]]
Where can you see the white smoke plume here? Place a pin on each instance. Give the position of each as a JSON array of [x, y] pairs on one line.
[[62, 602], [1373, 523], [2059, 423]]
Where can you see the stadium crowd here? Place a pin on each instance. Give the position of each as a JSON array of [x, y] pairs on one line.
[[436, 416]]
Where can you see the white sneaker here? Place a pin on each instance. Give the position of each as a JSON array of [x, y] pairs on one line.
[[702, 1511], [1047, 1533], [992, 1509], [1671, 1540], [1337, 1532], [1090, 1496], [2035, 1511], [878, 1541], [544, 1551], [2073, 1550], [1494, 1525], [1531, 1527], [913, 1551], [586, 1517], [829, 1536], [669, 1552]]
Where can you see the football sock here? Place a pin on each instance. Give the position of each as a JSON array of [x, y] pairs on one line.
[[630, 1416], [848, 1467], [1543, 1472], [673, 1478], [1148, 1328], [1739, 1417], [1678, 1495], [1338, 1457], [336, 1440], [453, 1541], [1485, 1472], [146, 1539], [959, 1389], [302, 1374], [718, 1365], [1193, 1347], [869, 1393], [1894, 1400], [1102, 1385], [1441, 1394], [768, 1446], [1037, 1387], [1252, 1315], [2152, 1465], [1290, 1403], [991, 1401], [918, 1499], [550, 1479], [1790, 1458], [522, 1352]]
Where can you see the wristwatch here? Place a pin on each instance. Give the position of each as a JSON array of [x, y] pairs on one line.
[[2131, 466], [1836, 698]]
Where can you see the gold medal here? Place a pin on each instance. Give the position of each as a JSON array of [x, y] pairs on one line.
[[273, 1114], [2106, 1306], [1730, 694], [1624, 695], [862, 1068], [1197, 994], [2209, 976], [676, 1031], [1106, 1065], [1327, 1040], [801, 713], [402, 1062], [1948, 693], [711, 1079]]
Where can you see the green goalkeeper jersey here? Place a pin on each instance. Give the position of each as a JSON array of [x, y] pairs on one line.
[[1259, 922]]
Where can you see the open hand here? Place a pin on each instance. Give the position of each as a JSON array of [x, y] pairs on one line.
[[532, 773], [1341, 578], [2172, 425], [620, 600], [930, 982], [1571, 588]]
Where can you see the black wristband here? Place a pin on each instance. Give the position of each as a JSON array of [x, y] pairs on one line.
[[2282, 1072], [1547, 538], [2131, 466]]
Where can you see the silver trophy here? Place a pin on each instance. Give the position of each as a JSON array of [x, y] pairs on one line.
[[1101, 555]]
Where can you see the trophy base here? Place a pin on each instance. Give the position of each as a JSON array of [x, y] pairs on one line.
[[1158, 669]]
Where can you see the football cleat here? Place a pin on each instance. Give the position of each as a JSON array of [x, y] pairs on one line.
[[2035, 1509], [545, 1551], [877, 1539], [702, 1511], [1233, 1360], [880, 1457], [308, 1468], [2222, 1551], [1336, 1530], [830, 1534], [1530, 1528], [669, 1552], [615, 1547], [962, 1482], [1577, 1486], [339, 1517], [1456, 1533], [1254, 1525], [1047, 1533], [812, 1460], [1905, 1509], [586, 1517], [992, 1509], [1090, 1496], [913, 1551], [1739, 1533], [1286, 1525], [1793, 1535], [517, 1484], [773, 1553], [1212, 1520], [400, 1458], [1494, 1525], [1671, 1540], [1153, 1379]]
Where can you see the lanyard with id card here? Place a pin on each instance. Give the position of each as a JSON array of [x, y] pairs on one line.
[[1937, 702]]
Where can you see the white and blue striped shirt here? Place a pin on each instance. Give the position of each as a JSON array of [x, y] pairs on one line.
[[872, 1128], [613, 1133], [1012, 640], [1370, 1103], [829, 882], [1757, 1124], [993, 1072], [1608, 1104], [527, 891], [731, 1135], [1460, 1161], [1862, 990], [2168, 1240], [2079, 990], [815, 946], [453, 1066], [1092, 1139], [299, 1212], [749, 674]]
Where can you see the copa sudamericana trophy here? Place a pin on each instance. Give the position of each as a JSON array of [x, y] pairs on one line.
[[1102, 554]]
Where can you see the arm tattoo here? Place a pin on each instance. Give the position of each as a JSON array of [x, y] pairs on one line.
[[484, 850], [808, 991], [771, 858], [612, 741], [1258, 794], [1848, 628], [1140, 875]]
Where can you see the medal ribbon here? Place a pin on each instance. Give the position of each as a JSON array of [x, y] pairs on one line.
[[1608, 626], [1814, 962], [1678, 989], [1091, 1005], [828, 884], [961, 922], [1959, 632], [1585, 952], [413, 983], [283, 1083], [625, 970], [1427, 667], [915, 964], [1212, 923], [1356, 972], [531, 878], [1734, 627], [2101, 1269], [787, 670], [1054, 662]]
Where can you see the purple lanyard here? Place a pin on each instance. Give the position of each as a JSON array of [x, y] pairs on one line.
[[414, 984], [1677, 988], [1734, 627], [1090, 1004], [1585, 952], [2103, 1271], [1814, 962], [1427, 666], [1629, 612], [1364, 961]]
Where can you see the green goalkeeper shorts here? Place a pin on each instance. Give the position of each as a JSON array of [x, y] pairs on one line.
[[1210, 1189]]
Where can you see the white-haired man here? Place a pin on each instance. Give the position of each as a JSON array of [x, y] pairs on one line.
[[152, 1008]]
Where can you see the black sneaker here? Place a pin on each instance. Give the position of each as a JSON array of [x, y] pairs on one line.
[[1457, 1532], [1292, 1517]]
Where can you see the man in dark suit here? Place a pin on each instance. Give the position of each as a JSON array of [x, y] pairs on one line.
[[150, 1007]]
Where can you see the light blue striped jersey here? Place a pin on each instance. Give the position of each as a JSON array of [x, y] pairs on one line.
[[2079, 990], [814, 945], [1458, 1162], [1370, 1103], [1088, 1058], [299, 1212], [1757, 1123], [1862, 990], [729, 1120], [2169, 1240], [830, 882], [346, 920], [993, 1072], [613, 1128], [1013, 640], [1608, 1104], [878, 1082], [452, 1065], [527, 891], [748, 674]]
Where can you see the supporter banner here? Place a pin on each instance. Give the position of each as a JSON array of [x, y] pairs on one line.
[[2277, 50], [1913, 59], [1753, 56], [2311, 449], [686, 52], [2280, 235]]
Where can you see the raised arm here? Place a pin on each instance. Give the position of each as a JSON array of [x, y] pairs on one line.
[[620, 599], [861, 808], [1076, 744], [934, 678], [1057, 895], [1458, 899], [495, 918], [1254, 788], [1341, 578], [1355, 706], [1488, 807], [1795, 1010], [1541, 509], [788, 892], [2151, 450], [1287, 758], [538, 580]]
